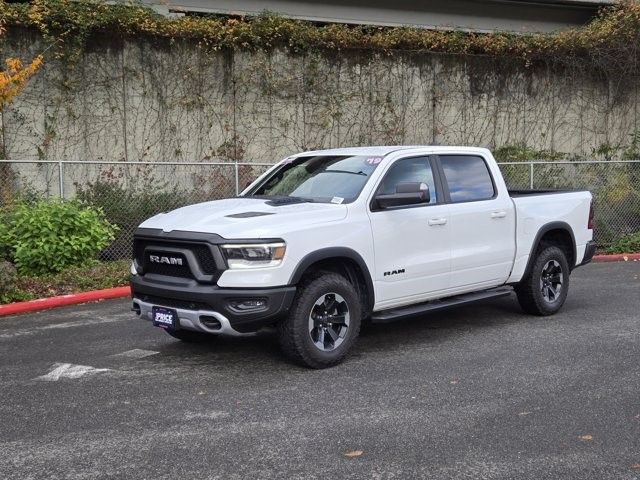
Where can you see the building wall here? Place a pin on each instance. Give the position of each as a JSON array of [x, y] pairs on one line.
[[486, 15]]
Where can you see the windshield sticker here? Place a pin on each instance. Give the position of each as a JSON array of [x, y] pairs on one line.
[[373, 160], [337, 200]]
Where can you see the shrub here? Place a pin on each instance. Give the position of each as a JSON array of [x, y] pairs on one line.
[[128, 207], [8, 276], [26, 196], [626, 244], [94, 276], [521, 152], [5, 251], [51, 235]]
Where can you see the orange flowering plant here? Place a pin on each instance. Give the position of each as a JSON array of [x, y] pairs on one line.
[[14, 77], [15, 74]]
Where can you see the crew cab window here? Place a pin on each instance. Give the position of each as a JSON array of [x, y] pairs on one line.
[[409, 170], [468, 178]]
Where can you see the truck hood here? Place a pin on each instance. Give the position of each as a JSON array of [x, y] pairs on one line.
[[246, 217]]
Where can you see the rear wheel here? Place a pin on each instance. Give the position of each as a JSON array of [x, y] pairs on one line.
[[324, 322], [544, 290]]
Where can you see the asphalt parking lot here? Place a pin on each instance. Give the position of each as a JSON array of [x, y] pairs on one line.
[[482, 392]]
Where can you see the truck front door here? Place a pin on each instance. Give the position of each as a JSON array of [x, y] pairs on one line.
[[412, 243]]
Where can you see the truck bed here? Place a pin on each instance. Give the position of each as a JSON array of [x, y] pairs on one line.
[[536, 209]]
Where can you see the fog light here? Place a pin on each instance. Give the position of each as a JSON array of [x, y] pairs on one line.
[[248, 304]]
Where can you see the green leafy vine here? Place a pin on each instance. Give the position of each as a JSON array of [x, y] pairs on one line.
[[609, 42]]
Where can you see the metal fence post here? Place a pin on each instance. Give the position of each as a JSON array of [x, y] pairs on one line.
[[237, 180], [61, 178], [531, 176]]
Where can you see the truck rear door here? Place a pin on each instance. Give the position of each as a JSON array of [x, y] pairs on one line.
[[482, 219]]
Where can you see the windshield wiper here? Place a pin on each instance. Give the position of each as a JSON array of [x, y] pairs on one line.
[[345, 171], [275, 200]]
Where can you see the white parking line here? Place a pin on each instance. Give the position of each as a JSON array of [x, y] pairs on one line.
[[69, 370]]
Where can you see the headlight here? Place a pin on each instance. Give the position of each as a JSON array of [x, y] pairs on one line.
[[133, 269], [259, 255]]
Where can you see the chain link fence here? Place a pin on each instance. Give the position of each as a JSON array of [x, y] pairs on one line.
[[615, 186], [130, 192], [127, 192]]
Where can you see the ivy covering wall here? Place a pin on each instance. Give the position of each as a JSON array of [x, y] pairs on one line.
[[122, 83]]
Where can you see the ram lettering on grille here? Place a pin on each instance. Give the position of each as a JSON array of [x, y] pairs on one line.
[[167, 260]]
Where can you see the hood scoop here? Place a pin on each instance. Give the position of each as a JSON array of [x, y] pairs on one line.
[[248, 214]]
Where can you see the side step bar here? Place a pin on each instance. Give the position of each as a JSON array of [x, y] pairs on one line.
[[393, 314]]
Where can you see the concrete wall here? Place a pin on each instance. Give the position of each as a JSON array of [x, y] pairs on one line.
[[133, 100]]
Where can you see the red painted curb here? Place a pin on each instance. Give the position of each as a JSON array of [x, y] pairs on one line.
[[618, 257], [73, 299]]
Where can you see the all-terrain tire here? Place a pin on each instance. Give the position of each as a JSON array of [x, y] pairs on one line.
[[296, 339], [533, 291]]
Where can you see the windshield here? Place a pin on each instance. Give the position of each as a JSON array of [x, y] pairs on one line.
[[335, 179]]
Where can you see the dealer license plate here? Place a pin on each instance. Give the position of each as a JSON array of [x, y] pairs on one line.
[[164, 317]]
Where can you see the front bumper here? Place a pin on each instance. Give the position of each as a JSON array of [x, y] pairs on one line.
[[191, 319], [589, 252], [208, 308]]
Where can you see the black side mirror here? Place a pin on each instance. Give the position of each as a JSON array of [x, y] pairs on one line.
[[407, 193]]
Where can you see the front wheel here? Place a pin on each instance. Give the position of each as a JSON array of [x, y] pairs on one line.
[[323, 323], [544, 290]]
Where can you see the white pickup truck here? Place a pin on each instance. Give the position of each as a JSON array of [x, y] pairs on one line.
[[327, 239]]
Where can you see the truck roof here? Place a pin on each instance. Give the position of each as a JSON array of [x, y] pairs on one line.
[[382, 150]]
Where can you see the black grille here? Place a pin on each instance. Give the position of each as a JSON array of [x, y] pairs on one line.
[[201, 251], [205, 259], [181, 271], [138, 251]]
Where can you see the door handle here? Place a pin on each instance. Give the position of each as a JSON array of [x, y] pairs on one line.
[[499, 214], [437, 221]]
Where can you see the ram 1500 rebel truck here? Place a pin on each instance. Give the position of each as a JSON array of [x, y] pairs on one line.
[[327, 239]]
